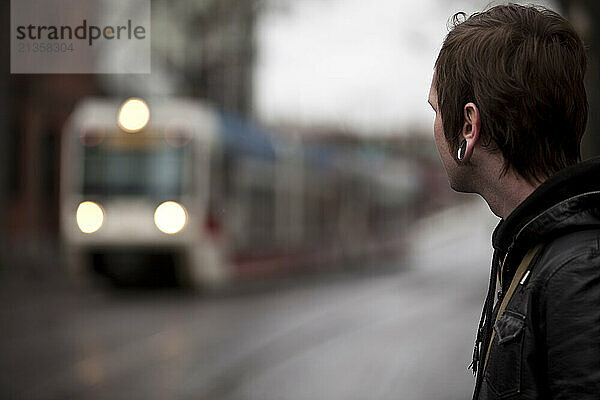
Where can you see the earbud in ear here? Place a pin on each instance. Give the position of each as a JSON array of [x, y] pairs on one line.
[[462, 149]]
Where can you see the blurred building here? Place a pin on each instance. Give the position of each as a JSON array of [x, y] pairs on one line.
[[200, 48], [404, 156]]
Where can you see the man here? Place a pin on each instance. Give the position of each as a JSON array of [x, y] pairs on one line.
[[511, 108]]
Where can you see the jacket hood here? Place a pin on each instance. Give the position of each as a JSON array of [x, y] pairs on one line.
[[568, 201]]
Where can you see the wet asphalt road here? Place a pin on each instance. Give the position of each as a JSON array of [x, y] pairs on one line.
[[400, 332]]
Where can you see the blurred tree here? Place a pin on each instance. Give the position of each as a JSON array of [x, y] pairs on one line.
[[200, 48], [223, 35]]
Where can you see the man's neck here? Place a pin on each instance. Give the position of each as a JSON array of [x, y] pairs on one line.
[[503, 195]]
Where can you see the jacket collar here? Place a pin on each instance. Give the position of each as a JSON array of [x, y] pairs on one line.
[[561, 202]]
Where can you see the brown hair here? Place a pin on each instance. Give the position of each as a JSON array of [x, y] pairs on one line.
[[523, 66]]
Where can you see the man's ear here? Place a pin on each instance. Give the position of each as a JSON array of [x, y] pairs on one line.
[[471, 129]]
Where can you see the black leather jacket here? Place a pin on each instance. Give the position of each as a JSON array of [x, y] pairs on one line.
[[547, 342]]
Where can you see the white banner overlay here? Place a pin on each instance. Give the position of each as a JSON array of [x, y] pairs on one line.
[[75, 36]]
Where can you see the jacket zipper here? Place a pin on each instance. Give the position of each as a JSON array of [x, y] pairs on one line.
[[500, 271]]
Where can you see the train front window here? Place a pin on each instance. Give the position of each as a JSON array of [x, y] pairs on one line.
[[126, 166]]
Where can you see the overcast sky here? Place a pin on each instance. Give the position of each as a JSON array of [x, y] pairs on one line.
[[353, 63]]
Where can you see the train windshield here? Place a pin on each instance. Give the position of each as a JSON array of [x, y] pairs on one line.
[[132, 165]]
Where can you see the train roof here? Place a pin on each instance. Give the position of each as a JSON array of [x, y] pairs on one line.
[[235, 133], [93, 113]]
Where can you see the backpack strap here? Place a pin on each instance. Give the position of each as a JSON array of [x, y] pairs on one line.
[[520, 276]]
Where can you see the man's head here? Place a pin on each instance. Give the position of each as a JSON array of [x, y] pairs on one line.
[[511, 81]]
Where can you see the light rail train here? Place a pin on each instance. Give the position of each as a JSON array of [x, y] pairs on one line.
[[177, 183]]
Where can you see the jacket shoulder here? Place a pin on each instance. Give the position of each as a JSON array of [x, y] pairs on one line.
[[572, 251]]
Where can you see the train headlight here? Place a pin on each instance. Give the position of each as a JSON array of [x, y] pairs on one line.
[[134, 114], [89, 217], [170, 217]]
